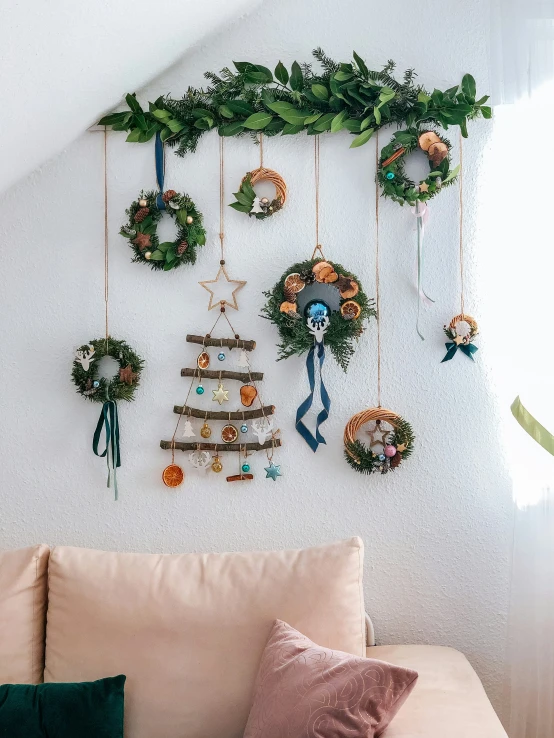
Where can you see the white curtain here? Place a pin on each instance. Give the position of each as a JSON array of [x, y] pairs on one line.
[[520, 214]]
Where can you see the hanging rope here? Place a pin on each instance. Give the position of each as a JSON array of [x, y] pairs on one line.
[[377, 292], [221, 198], [106, 238], [261, 150], [461, 190]]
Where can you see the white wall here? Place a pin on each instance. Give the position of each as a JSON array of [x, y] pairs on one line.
[[437, 530]]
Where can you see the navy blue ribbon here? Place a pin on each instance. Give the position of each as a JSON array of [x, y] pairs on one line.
[[108, 420], [160, 171], [468, 349], [314, 441]]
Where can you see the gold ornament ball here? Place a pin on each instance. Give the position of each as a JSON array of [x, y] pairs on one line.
[[264, 201], [143, 203], [189, 219], [217, 466], [147, 254], [205, 431]]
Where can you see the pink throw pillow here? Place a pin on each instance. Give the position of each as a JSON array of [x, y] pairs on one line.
[[305, 691]]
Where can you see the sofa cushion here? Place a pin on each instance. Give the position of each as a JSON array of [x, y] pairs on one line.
[[448, 700], [189, 630], [22, 614], [305, 691], [86, 710]]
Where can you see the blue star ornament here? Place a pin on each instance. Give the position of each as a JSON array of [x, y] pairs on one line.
[[273, 471]]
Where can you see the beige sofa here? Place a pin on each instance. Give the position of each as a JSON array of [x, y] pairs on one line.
[[188, 631]]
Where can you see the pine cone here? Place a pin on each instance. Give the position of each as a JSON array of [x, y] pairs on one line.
[[182, 247], [289, 295], [169, 195], [141, 214], [395, 460], [308, 276]]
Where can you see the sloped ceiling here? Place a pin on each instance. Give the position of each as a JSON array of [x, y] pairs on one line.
[[65, 62]]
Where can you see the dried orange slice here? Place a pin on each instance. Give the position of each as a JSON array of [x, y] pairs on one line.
[[203, 360], [350, 310], [426, 139], [229, 433], [330, 277], [173, 475], [294, 283]]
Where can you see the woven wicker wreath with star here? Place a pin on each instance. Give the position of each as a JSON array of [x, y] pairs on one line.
[[142, 226], [391, 441], [86, 377], [391, 173]]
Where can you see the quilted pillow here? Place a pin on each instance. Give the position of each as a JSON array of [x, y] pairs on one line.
[[305, 691]]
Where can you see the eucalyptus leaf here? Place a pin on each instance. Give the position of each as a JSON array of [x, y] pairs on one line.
[[134, 136], [453, 173], [361, 65], [225, 111], [312, 118], [336, 123], [296, 77], [362, 138], [239, 106], [133, 103], [182, 217], [377, 115], [290, 129], [231, 129], [469, 88], [257, 121], [281, 73], [342, 76], [244, 199], [320, 91], [324, 123], [239, 207], [157, 255]]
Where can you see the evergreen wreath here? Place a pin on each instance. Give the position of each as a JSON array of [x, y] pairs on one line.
[[391, 173], [362, 458], [85, 371], [245, 198], [340, 96], [141, 230], [346, 325]]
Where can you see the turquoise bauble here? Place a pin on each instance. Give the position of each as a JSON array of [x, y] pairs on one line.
[[244, 428], [389, 175], [317, 310], [221, 356], [382, 457], [96, 384], [200, 390], [245, 468]]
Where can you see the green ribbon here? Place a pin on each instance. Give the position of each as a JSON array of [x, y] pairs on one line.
[[467, 348], [108, 419], [532, 426]]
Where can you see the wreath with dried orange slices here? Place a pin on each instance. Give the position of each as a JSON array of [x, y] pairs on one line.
[[331, 283]]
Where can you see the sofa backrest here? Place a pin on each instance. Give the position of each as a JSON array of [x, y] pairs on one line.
[[189, 630], [23, 584]]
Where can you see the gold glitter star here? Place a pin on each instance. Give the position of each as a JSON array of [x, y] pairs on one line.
[[401, 447], [458, 340], [377, 432], [423, 187], [222, 279], [220, 395]]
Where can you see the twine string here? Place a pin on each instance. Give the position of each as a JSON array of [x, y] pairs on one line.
[[221, 197], [261, 150], [377, 292], [106, 239], [316, 174], [461, 192]]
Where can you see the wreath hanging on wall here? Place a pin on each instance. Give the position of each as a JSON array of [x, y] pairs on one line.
[[142, 226], [391, 173], [394, 445], [99, 389], [293, 303]]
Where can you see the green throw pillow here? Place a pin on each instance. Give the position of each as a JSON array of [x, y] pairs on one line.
[[85, 710]]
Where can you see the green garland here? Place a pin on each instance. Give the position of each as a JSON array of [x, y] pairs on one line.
[[393, 179], [342, 96], [294, 334], [120, 387], [362, 459], [142, 225]]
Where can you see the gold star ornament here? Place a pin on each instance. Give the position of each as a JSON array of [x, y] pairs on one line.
[[223, 291], [220, 395], [423, 187], [377, 431]]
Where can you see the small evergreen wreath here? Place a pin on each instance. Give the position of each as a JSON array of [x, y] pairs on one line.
[[248, 202], [396, 444], [85, 371], [141, 230], [345, 324], [391, 174]]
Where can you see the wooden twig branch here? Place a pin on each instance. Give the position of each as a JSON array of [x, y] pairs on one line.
[[244, 377], [220, 415], [221, 447], [229, 342]]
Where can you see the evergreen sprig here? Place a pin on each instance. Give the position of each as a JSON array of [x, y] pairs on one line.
[[344, 95]]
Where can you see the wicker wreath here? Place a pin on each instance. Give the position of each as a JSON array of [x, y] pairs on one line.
[[391, 173], [462, 331], [141, 230], [397, 444], [346, 323], [99, 389], [248, 202]]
